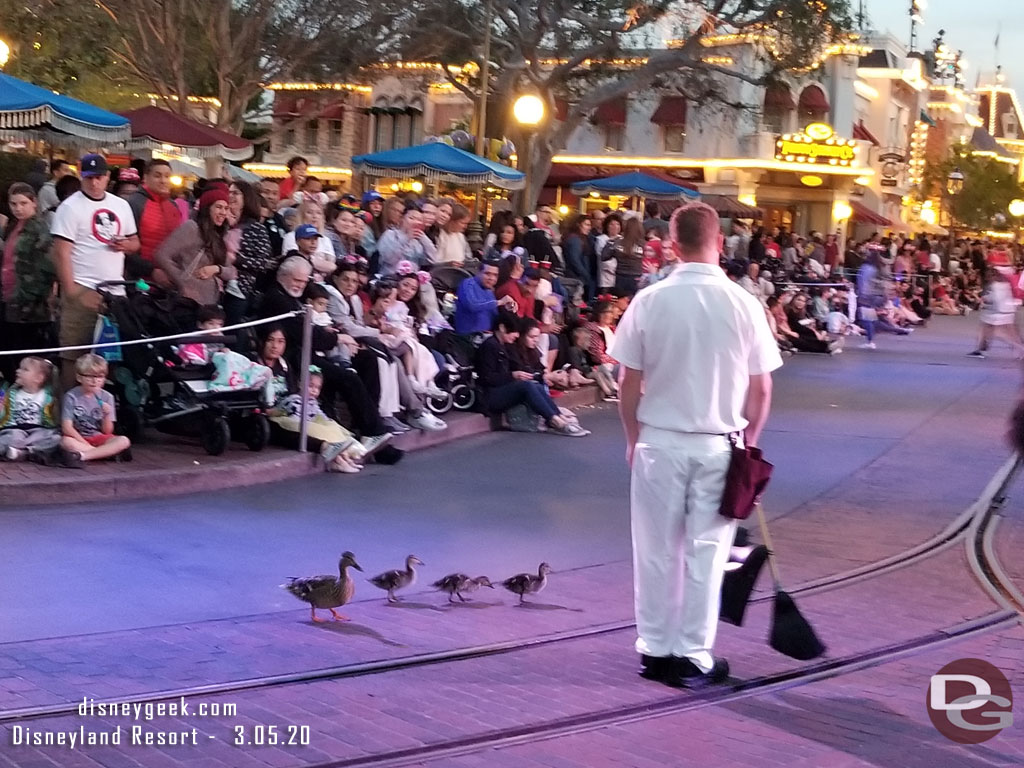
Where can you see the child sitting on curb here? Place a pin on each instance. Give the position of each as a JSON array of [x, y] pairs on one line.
[[341, 452], [28, 424], [88, 415]]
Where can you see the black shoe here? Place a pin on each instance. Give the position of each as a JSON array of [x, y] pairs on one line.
[[124, 457], [656, 667], [686, 674]]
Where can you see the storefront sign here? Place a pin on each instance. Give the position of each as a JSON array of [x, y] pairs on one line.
[[816, 145]]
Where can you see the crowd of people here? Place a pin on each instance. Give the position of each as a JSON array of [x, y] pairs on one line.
[[400, 298]]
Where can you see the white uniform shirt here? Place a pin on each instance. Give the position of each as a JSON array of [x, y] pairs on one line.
[[698, 338], [93, 226]]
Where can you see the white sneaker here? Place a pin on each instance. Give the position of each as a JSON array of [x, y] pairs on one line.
[[15, 454], [375, 443], [868, 345], [427, 422], [434, 391]]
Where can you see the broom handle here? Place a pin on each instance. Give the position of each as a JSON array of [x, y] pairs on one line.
[[768, 543]]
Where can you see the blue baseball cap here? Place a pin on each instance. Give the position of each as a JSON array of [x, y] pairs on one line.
[[369, 197], [93, 165], [306, 231]]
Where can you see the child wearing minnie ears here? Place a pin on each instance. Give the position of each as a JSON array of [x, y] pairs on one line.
[[88, 415], [340, 451], [28, 425]]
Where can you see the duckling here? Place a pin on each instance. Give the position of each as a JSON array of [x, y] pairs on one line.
[[397, 579], [328, 592], [527, 584], [457, 583]]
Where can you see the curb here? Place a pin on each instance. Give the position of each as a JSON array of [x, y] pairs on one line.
[[34, 486]]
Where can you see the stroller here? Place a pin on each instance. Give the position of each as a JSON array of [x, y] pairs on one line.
[[457, 377], [153, 387]]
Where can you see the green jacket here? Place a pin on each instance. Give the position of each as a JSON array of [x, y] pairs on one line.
[[34, 275]]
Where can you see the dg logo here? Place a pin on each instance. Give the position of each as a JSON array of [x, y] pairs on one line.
[[970, 701]]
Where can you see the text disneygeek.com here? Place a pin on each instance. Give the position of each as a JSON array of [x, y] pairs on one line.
[[110, 734]]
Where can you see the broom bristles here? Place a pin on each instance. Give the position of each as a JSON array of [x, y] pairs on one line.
[[791, 634]]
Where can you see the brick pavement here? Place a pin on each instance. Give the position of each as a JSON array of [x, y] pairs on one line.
[[850, 525], [408, 708]]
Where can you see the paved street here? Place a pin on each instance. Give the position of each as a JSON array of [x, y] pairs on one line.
[[876, 452]]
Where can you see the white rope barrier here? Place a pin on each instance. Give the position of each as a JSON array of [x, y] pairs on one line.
[[155, 339]]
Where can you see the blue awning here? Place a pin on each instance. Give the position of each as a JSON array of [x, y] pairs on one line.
[[635, 184], [27, 107], [439, 162]]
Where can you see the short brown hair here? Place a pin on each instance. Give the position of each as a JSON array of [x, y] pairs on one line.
[[23, 189], [694, 227]]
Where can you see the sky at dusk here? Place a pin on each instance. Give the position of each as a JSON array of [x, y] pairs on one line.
[[971, 26]]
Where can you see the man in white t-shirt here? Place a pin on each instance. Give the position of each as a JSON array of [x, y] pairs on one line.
[[696, 355], [92, 230]]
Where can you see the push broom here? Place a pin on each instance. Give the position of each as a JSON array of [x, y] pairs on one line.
[[791, 634]]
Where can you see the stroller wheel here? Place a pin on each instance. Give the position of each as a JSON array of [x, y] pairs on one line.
[[463, 397], [440, 405], [129, 423], [216, 436], [257, 432]]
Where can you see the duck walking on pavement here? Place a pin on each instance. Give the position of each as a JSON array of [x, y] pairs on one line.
[[397, 579], [328, 592], [457, 583], [527, 583]]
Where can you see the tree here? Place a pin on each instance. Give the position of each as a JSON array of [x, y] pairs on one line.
[[572, 50], [231, 48], [989, 188], [49, 45]]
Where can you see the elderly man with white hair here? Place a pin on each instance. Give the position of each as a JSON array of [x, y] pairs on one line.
[[284, 296]]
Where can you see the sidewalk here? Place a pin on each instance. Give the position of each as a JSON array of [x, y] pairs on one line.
[[166, 466]]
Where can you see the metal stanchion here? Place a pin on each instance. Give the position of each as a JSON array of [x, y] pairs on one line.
[[305, 356]]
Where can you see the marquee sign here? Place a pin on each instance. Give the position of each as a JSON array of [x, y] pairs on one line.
[[816, 145]]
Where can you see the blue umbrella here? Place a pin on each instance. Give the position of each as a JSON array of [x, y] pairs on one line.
[[635, 184], [27, 107], [439, 162]]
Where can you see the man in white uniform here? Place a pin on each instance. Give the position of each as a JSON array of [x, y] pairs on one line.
[[696, 355]]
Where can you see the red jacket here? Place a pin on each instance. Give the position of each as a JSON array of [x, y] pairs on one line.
[[155, 218]]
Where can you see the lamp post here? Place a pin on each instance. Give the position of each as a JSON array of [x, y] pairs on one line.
[[954, 186], [528, 111]]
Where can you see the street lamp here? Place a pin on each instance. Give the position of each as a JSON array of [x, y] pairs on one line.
[[528, 111], [955, 182], [5, 54]]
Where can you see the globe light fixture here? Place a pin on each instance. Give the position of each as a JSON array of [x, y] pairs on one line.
[[841, 210], [5, 54], [528, 110], [955, 182], [1016, 208]]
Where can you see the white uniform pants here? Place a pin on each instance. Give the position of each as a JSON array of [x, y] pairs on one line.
[[680, 542]]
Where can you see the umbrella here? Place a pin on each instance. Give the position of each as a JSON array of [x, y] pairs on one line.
[[154, 128], [635, 184], [45, 114], [439, 162]]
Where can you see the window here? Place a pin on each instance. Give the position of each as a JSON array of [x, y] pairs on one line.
[[312, 134], [675, 137], [334, 136], [415, 129], [289, 137], [401, 135], [382, 136], [613, 135]]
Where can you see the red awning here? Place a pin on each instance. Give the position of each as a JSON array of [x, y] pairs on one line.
[[865, 215], [153, 127], [861, 133], [334, 111], [731, 208], [612, 112], [813, 99], [671, 111], [778, 98]]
